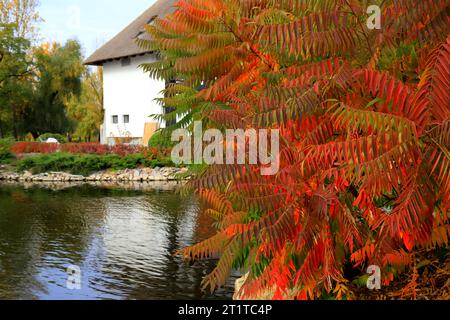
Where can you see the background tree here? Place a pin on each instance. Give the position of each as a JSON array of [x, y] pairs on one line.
[[15, 76], [58, 79], [18, 20], [23, 14], [37, 84], [87, 109], [364, 117]]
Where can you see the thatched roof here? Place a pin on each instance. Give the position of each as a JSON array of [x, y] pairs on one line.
[[124, 44]]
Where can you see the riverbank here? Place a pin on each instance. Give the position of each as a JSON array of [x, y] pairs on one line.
[[127, 175], [149, 186]]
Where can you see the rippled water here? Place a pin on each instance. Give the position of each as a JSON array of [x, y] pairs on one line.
[[123, 242]]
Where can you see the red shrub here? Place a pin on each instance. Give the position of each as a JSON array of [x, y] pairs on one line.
[[34, 147], [80, 148], [123, 149], [85, 148], [155, 153]]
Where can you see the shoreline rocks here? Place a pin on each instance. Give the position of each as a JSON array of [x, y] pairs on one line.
[[149, 186], [127, 175]]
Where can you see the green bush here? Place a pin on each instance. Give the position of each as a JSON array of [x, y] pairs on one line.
[[44, 137], [5, 150], [86, 164], [161, 140]]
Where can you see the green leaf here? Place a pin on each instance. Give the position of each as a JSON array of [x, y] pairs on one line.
[[374, 101]]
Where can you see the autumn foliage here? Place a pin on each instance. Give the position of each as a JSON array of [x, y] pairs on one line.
[[364, 119]]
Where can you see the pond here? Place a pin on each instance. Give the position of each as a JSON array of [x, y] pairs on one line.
[[123, 242]]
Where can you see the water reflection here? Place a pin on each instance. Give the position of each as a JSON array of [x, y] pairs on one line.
[[123, 241]]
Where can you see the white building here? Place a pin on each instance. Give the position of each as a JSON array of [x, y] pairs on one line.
[[128, 91]]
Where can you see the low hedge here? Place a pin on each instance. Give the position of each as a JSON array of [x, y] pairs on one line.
[[86, 164], [5, 150]]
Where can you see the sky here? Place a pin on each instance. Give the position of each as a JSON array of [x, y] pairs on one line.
[[92, 22]]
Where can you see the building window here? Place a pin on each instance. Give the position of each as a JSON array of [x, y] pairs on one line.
[[126, 118], [115, 119], [125, 62]]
